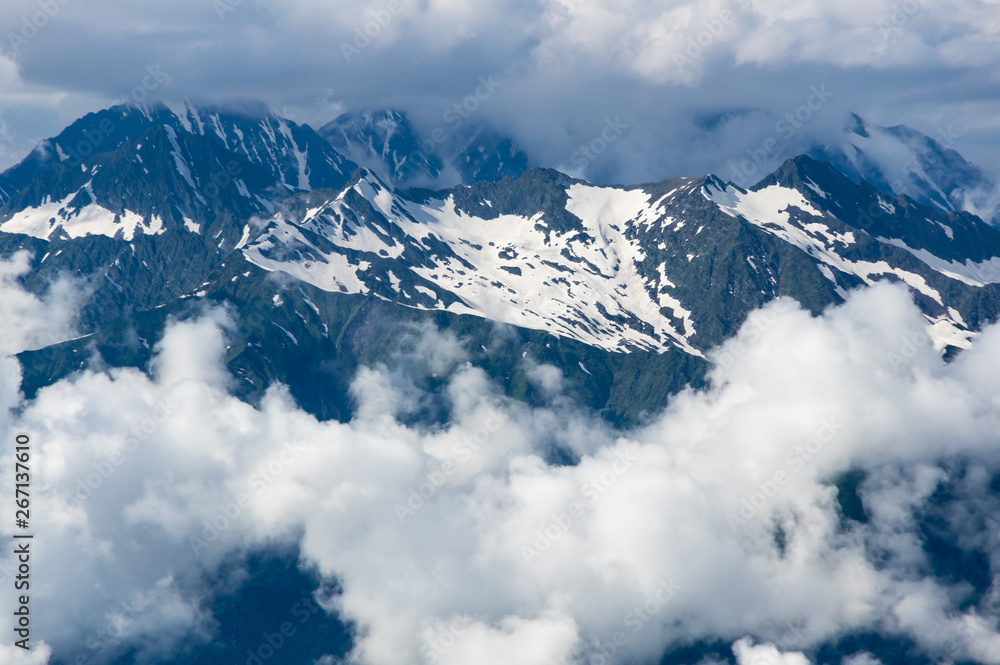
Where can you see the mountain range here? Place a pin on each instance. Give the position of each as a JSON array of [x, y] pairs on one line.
[[625, 288]]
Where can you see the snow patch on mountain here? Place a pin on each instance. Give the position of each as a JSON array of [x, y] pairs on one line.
[[902, 160], [944, 332], [581, 283], [182, 166], [52, 218], [773, 209], [327, 271], [970, 272], [570, 284]]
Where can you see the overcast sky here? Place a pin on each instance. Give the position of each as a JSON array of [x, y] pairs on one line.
[[696, 83]]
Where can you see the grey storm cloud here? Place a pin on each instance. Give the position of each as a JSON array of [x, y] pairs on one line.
[[698, 84]]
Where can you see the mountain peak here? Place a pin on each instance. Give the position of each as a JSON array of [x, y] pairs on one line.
[[856, 125], [901, 160], [386, 141], [806, 174]]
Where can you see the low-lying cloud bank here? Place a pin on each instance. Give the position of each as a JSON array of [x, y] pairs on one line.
[[459, 543]]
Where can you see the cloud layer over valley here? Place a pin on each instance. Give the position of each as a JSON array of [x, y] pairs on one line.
[[783, 506]]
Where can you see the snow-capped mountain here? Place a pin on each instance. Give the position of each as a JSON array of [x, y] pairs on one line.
[[902, 160], [386, 142], [141, 170], [625, 268], [491, 251], [589, 276]]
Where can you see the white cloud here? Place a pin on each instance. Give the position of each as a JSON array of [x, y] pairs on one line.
[[543, 641], [764, 654], [459, 540], [32, 322], [861, 658], [37, 655]]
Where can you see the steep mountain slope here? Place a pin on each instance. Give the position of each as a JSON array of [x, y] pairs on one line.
[[623, 289], [95, 133], [484, 154], [901, 160], [315, 341], [857, 234], [193, 183], [204, 167], [673, 265], [146, 203], [386, 143]]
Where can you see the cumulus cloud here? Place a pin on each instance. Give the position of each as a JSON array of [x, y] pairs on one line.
[[16, 656], [765, 654], [455, 541], [862, 658], [30, 321]]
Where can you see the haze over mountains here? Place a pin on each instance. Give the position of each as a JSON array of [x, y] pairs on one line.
[[385, 142], [902, 160]]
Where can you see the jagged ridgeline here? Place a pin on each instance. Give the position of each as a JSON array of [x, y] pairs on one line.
[[327, 263]]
